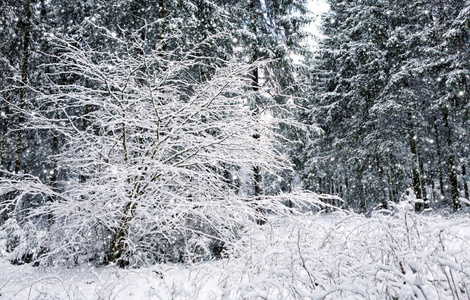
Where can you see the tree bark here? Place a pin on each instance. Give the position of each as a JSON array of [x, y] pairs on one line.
[[24, 81], [415, 165], [451, 163], [257, 177], [5, 124], [464, 179], [422, 180], [439, 162]]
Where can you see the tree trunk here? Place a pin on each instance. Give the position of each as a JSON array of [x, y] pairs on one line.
[[289, 190], [257, 178], [257, 181], [24, 81], [390, 184], [439, 162], [3, 164], [451, 163], [54, 171], [415, 164], [422, 180], [162, 14], [464, 179]]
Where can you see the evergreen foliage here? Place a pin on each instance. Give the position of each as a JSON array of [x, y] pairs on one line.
[[390, 87]]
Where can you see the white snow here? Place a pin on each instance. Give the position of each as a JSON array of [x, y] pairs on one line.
[[333, 256]]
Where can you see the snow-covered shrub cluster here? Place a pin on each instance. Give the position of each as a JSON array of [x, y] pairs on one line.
[[20, 243], [399, 255], [151, 155]]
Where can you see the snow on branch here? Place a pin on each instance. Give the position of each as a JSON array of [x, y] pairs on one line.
[[152, 154]]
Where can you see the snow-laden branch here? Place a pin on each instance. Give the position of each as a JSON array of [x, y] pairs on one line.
[[154, 160]]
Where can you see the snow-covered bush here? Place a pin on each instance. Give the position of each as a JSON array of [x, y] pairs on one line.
[[21, 244], [150, 153], [389, 255], [400, 255]]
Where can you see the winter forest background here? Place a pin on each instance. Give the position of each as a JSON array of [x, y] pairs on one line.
[[202, 133]]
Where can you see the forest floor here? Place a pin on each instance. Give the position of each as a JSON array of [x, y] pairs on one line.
[[399, 255]]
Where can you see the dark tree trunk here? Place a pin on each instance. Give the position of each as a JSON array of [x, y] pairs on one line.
[[162, 14], [390, 185], [4, 165], [256, 136], [24, 81], [3, 158], [54, 171], [439, 162], [380, 171], [257, 177], [451, 163], [422, 180], [464, 179], [415, 165], [391, 180]]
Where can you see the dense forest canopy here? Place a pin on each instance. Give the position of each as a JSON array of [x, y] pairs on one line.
[[390, 90], [137, 131]]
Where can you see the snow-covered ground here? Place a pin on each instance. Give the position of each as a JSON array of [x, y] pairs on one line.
[[330, 256]]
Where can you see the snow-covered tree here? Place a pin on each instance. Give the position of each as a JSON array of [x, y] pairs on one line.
[[389, 80], [151, 167]]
